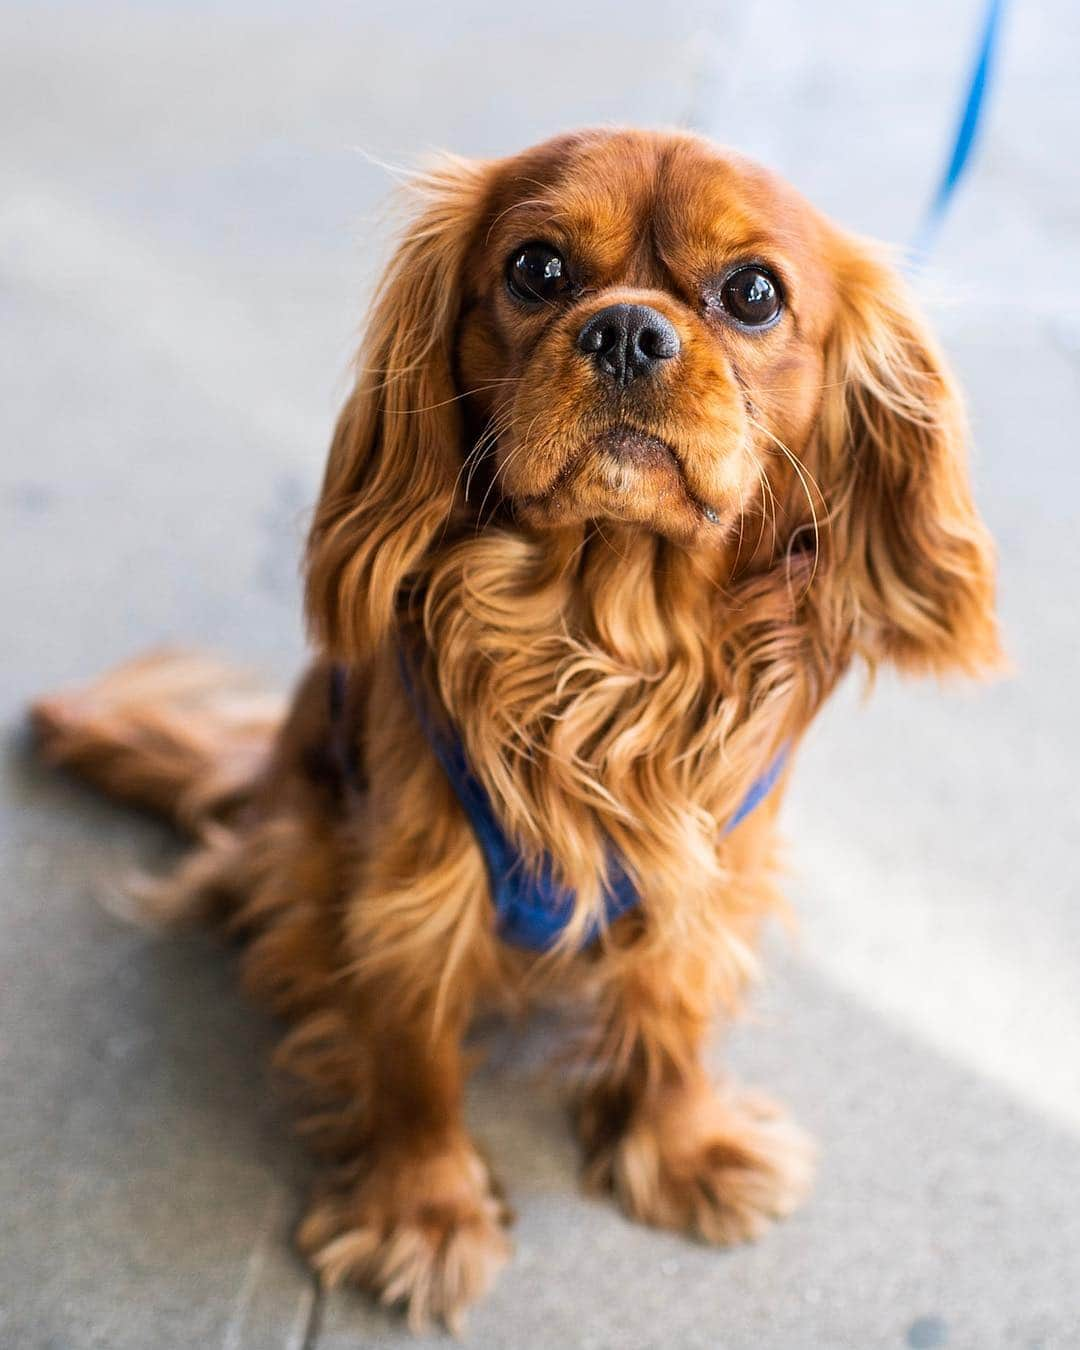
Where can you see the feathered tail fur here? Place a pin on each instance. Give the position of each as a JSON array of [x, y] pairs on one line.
[[179, 733]]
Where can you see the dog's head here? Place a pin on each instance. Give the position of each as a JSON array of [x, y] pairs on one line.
[[633, 327]]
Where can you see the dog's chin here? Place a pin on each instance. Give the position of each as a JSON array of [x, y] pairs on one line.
[[623, 475]]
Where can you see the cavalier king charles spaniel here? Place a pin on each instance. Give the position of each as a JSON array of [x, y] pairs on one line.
[[642, 454]]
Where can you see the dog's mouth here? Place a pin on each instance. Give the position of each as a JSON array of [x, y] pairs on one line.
[[628, 446], [628, 473]]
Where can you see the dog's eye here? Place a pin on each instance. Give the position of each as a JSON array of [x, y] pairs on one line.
[[536, 272], [752, 296]]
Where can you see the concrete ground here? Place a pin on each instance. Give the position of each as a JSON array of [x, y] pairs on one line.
[[189, 218]]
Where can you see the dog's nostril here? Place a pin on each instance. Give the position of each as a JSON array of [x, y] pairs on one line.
[[597, 337], [660, 344]]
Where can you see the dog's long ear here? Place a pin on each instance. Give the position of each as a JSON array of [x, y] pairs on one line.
[[911, 563], [396, 452]]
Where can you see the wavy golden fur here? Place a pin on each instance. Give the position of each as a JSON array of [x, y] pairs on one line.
[[630, 595]]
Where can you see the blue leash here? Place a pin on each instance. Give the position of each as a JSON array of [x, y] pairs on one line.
[[972, 110], [967, 131]]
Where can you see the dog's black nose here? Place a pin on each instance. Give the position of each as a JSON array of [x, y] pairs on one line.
[[628, 340]]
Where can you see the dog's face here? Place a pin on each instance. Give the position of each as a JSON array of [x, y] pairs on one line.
[[643, 321], [641, 327]]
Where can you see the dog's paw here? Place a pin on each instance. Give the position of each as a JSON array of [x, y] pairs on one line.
[[718, 1168], [424, 1233]]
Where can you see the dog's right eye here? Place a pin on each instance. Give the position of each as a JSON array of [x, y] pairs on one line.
[[536, 273]]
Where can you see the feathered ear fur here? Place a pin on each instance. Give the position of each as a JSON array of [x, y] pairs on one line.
[[913, 564], [396, 452]]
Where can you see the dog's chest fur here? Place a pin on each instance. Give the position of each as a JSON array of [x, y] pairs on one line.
[[611, 691]]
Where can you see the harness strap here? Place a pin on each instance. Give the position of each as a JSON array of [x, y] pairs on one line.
[[343, 752], [532, 909]]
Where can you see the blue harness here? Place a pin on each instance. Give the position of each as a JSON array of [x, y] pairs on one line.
[[532, 909]]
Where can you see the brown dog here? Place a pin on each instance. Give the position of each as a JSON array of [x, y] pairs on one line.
[[642, 454]]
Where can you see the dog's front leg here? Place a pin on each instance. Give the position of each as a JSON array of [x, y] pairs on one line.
[[676, 1151], [414, 1217]]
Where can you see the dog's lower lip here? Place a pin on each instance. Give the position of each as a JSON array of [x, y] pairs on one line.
[[629, 443]]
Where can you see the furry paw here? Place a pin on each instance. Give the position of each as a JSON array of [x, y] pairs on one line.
[[426, 1233], [717, 1168]]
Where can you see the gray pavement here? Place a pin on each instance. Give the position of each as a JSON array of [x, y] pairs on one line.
[[190, 215]]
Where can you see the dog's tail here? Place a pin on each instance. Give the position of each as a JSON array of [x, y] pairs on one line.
[[179, 733]]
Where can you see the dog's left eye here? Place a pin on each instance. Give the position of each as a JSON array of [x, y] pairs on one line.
[[752, 296], [536, 272]]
